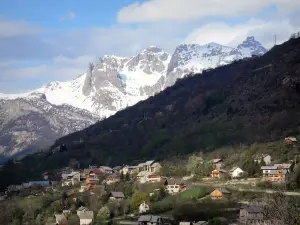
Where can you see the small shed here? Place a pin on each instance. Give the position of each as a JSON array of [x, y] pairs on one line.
[[218, 194]]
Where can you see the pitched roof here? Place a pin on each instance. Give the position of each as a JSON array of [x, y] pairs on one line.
[[81, 208], [148, 163], [173, 181], [261, 156], [149, 218], [234, 168], [216, 160], [86, 215], [283, 165], [117, 194], [106, 168]]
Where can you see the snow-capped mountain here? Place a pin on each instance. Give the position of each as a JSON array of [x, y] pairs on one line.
[[32, 121], [113, 83]]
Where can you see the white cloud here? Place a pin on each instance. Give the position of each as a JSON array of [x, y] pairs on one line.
[[233, 35], [185, 10], [68, 16], [60, 68], [17, 28]]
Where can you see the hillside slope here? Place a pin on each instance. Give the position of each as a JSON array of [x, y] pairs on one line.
[[250, 100], [247, 101]]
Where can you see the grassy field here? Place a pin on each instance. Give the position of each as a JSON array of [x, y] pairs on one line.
[[195, 193]]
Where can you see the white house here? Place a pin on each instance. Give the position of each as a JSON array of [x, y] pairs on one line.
[[143, 208], [71, 178], [173, 185], [263, 157], [236, 172], [142, 176], [86, 217], [60, 219]]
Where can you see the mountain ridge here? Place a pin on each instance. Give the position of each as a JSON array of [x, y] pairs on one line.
[[115, 83]]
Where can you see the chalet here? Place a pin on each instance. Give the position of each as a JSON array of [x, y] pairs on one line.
[[60, 219], [116, 195], [266, 158], [92, 180], [117, 169], [111, 179], [251, 215], [85, 217], [218, 194], [153, 178], [143, 208], [173, 186], [217, 163], [106, 169], [218, 173], [236, 172], [276, 173]]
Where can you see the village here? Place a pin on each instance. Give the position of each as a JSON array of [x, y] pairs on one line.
[[138, 194]]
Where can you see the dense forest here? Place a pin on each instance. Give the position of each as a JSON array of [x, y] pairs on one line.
[[251, 100]]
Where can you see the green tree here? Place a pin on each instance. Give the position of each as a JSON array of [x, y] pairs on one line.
[[194, 163], [138, 198], [104, 213]]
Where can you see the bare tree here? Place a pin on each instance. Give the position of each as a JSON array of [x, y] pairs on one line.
[[280, 209]]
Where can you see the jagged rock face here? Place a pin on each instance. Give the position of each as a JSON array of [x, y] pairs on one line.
[[111, 84], [32, 122]]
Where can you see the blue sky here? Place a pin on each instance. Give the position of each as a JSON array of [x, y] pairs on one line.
[[54, 40]]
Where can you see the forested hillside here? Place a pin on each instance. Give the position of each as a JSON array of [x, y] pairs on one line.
[[251, 100]]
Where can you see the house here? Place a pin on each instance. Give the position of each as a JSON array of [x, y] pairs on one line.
[[251, 215], [218, 194], [236, 172], [60, 219], [48, 175], [71, 178], [92, 180], [217, 163], [85, 217], [153, 178], [218, 173], [263, 157], [173, 186], [129, 169], [143, 208], [111, 179], [150, 166], [42, 183], [106, 169], [290, 140], [81, 209], [117, 169], [142, 176], [276, 173], [83, 187], [66, 212], [116, 195], [150, 220]]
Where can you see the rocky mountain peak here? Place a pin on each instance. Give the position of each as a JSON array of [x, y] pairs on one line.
[[252, 47]]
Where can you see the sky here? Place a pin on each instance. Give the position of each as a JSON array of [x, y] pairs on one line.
[[54, 40]]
